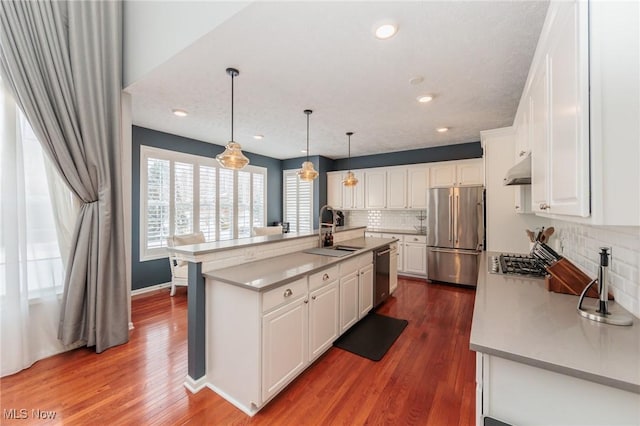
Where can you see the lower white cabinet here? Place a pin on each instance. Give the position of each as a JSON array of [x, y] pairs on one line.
[[284, 345], [415, 257], [521, 394], [349, 300], [365, 288], [323, 318], [400, 249], [393, 268], [356, 289]]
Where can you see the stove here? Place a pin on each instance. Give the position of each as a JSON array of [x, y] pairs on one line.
[[517, 264]]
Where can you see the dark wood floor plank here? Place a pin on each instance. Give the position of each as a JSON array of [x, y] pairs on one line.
[[426, 378]]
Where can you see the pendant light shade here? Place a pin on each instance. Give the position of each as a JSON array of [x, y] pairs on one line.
[[350, 180], [232, 157], [307, 172]]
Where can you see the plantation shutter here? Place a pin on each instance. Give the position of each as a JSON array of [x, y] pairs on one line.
[[298, 202], [244, 204], [183, 201], [225, 216], [208, 216], [258, 199], [158, 206]]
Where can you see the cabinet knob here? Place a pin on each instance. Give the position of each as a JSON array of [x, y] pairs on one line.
[[288, 292], [314, 297], [544, 206], [522, 153], [415, 239], [325, 277], [306, 300], [517, 207]]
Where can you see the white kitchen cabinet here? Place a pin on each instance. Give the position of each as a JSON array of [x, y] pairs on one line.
[[393, 268], [514, 393], [568, 68], [415, 255], [522, 193], [353, 197], [400, 248], [370, 234], [284, 345], [349, 300], [324, 316], [396, 188], [539, 140], [417, 186], [334, 189], [375, 189], [457, 173], [365, 288]]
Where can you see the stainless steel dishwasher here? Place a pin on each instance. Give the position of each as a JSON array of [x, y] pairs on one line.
[[381, 285]]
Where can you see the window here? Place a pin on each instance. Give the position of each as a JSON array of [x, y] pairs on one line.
[[183, 193], [298, 202]]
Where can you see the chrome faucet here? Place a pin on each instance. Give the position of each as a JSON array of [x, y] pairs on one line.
[[320, 224]]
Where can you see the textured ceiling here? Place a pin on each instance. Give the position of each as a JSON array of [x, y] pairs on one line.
[[473, 57]]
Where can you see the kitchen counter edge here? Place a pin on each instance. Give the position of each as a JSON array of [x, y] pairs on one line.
[[548, 333]]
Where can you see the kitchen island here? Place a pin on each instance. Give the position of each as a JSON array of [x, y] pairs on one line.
[[260, 310], [539, 362]]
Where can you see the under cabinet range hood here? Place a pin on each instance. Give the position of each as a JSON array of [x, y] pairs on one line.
[[520, 174]]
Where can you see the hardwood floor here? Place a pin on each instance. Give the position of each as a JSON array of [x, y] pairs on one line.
[[426, 378]]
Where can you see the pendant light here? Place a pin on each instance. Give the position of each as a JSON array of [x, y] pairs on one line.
[[307, 173], [350, 179], [232, 157]]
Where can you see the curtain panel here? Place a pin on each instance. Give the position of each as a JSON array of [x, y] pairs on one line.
[[62, 61]]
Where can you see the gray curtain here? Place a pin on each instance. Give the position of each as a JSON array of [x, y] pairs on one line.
[[62, 60]]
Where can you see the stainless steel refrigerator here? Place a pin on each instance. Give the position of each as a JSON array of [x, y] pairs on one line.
[[455, 234]]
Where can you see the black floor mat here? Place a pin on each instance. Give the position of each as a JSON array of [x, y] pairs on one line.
[[372, 336]]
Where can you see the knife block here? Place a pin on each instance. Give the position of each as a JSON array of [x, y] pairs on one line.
[[565, 277]]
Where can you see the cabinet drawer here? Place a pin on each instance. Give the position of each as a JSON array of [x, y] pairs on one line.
[[323, 277], [372, 234], [415, 239], [284, 294], [399, 237]]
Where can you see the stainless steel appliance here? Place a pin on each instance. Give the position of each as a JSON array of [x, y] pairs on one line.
[[381, 284], [456, 232], [517, 264]]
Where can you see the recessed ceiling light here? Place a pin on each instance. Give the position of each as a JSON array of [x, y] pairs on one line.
[[386, 31], [424, 99], [442, 129], [258, 137], [416, 80], [304, 151], [179, 112]]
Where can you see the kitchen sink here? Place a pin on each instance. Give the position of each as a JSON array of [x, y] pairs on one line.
[[334, 251]]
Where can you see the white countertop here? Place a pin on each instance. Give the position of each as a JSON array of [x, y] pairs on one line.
[[265, 274], [518, 319]]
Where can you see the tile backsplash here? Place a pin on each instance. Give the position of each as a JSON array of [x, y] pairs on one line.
[[581, 245], [385, 219]]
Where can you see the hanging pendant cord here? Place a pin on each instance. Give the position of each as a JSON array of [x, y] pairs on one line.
[[232, 76], [307, 137]]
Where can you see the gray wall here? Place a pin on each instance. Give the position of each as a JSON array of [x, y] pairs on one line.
[[152, 272], [414, 156]]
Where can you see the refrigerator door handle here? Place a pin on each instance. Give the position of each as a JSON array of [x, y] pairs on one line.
[[456, 213], [454, 251], [450, 214]]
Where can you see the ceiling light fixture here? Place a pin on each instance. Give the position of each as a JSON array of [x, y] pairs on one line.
[[442, 129], [232, 157], [350, 180], [179, 112], [307, 173], [386, 31], [424, 99]]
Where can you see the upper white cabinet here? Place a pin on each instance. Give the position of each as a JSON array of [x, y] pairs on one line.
[[583, 129], [417, 185], [397, 188], [353, 197], [375, 189], [334, 189], [559, 114], [457, 173]]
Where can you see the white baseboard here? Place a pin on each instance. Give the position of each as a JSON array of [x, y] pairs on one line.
[[249, 411], [150, 288], [195, 386]]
